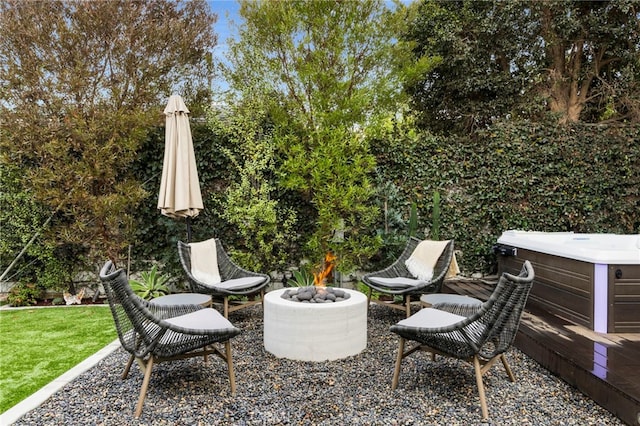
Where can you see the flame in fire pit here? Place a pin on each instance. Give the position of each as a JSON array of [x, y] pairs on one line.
[[329, 262]]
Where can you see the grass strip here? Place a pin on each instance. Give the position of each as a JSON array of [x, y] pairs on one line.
[[39, 344]]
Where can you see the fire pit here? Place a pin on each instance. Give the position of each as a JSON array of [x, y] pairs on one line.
[[315, 294], [315, 331]]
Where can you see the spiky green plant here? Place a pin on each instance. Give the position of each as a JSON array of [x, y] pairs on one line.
[[152, 284], [302, 278], [413, 220]]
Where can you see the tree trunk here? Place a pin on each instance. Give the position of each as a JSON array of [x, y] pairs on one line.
[[571, 72], [568, 105]]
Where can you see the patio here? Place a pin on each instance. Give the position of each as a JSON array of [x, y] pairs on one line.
[[355, 390]]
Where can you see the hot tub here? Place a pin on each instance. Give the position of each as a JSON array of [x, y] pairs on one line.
[[590, 279]]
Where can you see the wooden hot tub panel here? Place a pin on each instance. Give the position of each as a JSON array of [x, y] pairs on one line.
[[624, 299], [565, 287], [562, 286]]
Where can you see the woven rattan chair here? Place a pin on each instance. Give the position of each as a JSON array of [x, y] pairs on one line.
[[481, 338], [396, 280], [157, 333], [247, 283]]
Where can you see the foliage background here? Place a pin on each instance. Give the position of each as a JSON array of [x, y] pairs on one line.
[[520, 175], [482, 137], [526, 175], [80, 86]]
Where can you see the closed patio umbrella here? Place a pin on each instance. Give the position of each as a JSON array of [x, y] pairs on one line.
[[179, 195]]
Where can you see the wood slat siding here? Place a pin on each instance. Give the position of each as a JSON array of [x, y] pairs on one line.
[[562, 286], [624, 299]]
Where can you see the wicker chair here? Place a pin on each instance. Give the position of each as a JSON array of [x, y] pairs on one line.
[[157, 333], [481, 338], [404, 284], [255, 283]]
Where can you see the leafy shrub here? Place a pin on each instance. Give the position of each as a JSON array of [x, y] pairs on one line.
[[375, 295], [24, 294], [518, 174]]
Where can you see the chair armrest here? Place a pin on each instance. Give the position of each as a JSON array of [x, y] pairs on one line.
[[398, 267], [230, 270]]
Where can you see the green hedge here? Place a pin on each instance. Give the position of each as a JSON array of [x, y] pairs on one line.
[[520, 175], [516, 175]]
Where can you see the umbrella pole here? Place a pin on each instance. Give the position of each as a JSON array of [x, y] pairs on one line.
[[188, 229]]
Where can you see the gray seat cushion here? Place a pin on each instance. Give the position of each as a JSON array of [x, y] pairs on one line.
[[203, 319], [397, 282]]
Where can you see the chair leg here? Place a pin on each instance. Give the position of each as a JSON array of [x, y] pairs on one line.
[[396, 371], [127, 367], [226, 307], [368, 300], [407, 302], [145, 385], [480, 384], [232, 376], [507, 367]]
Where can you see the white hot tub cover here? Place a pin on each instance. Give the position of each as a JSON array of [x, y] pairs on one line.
[[610, 249]]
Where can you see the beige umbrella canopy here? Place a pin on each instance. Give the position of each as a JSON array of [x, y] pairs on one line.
[[179, 188]]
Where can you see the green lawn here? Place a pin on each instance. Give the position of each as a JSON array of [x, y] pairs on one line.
[[39, 344]]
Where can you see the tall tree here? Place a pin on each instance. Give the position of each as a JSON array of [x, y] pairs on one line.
[[504, 59], [81, 82], [323, 70], [482, 69], [592, 58]]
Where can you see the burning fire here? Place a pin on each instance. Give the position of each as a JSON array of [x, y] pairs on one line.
[[329, 262]]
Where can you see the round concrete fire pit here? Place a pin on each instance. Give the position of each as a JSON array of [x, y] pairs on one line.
[[315, 331]]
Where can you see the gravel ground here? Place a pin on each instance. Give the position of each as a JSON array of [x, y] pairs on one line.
[[352, 391]]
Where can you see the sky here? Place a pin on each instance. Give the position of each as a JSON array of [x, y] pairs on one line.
[[227, 10]]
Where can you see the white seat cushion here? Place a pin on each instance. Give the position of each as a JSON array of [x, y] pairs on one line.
[[240, 283], [397, 282], [431, 318]]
